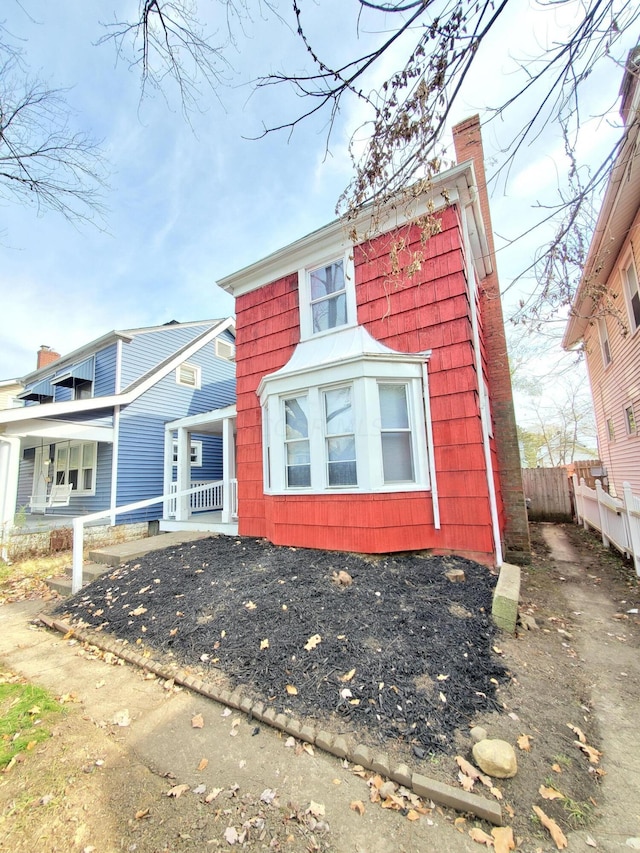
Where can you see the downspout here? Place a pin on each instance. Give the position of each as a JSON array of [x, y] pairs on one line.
[[430, 449], [484, 403]]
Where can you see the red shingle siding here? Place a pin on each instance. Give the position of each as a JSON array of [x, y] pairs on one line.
[[426, 310]]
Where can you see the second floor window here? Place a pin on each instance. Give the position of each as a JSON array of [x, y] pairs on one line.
[[327, 297], [604, 341], [630, 278]]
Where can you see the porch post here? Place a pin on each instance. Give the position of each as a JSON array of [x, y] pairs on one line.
[[168, 471], [9, 465], [228, 468], [183, 474]]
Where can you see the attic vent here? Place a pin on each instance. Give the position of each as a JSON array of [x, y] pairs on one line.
[[225, 349], [189, 375]]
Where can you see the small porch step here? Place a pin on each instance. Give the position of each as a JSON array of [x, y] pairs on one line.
[[90, 571]]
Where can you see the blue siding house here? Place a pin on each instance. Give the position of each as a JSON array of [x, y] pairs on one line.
[[95, 433]]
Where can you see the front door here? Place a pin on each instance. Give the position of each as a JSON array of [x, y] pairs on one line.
[[41, 475]]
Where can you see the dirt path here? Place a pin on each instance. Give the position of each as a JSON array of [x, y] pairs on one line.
[[608, 654]]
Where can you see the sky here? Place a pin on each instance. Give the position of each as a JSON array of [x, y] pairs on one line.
[[189, 202]]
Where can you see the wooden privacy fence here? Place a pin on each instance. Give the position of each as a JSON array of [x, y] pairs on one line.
[[617, 520], [547, 494]]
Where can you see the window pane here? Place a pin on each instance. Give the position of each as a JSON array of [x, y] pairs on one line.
[[87, 479], [397, 459], [61, 458], [74, 456], [341, 464], [296, 424], [338, 411], [73, 478], [87, 455], [393, 407], [299, 475], [329, 313], [327, 280]]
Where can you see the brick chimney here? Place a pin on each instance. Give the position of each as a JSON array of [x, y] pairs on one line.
[[46, 356], [467, 140]]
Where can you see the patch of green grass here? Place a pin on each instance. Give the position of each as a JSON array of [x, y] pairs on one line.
[[24, 710], [579, 813], [563, 760]]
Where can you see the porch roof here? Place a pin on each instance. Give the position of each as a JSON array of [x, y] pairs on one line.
[[33, 430], [209, 423]]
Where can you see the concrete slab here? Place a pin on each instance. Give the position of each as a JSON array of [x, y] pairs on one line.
[[506, 597], [123, 552]]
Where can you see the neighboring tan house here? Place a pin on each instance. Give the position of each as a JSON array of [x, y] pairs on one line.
[[9, 390], [91, 433], [605, 317], [374, 406]]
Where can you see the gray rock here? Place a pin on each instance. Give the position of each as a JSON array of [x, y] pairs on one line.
[[496, 758], [478, 733], [527, 622]]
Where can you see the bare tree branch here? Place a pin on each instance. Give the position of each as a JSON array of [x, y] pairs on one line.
[[43, 161]]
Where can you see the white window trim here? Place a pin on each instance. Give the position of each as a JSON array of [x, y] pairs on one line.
[[605, 342], [93, 467], [629, 261], [195, 445], [197, 375], [304, 293], [365, 400], [630, 432]]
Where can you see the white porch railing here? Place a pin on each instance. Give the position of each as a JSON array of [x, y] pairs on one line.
[[208, 499], [80, 521], [617, 520]]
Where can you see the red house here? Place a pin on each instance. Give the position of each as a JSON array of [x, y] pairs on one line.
[[374, 407]]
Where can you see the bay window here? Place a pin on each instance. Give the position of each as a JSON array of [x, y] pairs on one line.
[[346, 415]]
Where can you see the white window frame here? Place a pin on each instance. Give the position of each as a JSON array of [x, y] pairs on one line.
[[366, 407], [630, 420], [197, 375], [631, 287], [63, 449], [304, 291], [605, 344], [195, 449], [611, 430]]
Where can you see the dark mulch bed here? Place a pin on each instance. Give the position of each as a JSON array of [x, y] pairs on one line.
[[420, 645]]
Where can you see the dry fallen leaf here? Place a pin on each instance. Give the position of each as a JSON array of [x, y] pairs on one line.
[[550, 793], [357, 806], [264, 644], [554, 830], [250, 605], [591, 752], [524, 742], [556, 768], [143, 813], [177, 791], [466, 781], [312, 642], [203, 763], [197, 722], [412, 814], [211, 796], [348, 675], [480, 836], [138, 611], [291, 690], [467, 767], [316, 809], [503, 840], [577, 732]]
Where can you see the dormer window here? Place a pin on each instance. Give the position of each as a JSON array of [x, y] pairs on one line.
[[327, 297]]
